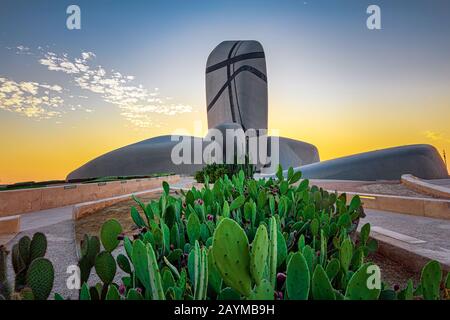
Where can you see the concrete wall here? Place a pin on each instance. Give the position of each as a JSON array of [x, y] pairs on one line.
[[425, 187], [424, 207], [21, 201]]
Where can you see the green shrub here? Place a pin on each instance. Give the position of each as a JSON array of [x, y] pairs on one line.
[[216, 171]]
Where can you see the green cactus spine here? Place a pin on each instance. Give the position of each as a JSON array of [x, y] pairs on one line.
[[231, 254]]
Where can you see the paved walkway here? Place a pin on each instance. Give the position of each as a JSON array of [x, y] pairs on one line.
[[410, 240], [440, 182]]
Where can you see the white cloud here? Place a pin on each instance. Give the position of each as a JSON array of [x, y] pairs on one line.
[[435, 136], [137, 103], [29, 99]]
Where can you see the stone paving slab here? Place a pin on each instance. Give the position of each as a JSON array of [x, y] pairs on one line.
[[433, 237]]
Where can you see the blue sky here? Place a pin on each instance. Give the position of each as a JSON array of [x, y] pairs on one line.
[[324, 67]]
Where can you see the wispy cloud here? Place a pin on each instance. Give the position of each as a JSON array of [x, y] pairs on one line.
[[435, 136], [31, 99], [137, 104]]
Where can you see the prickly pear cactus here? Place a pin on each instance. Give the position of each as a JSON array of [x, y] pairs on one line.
[[24, 249], [200, 272], [231, 253], [281, 249], [214, 278], [259, 253], [332, 268], [321, 287], [17, 261], [430, 280], [38, 246], [40, 277], [108, 234], [263, 291], [124, 263], [297, 278], [113, 293], [359, 287], [147, 271], [193, 228], [346, 254], [105, 266], [273, 250], [4, 286]]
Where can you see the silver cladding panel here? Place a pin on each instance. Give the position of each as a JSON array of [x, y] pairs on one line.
[[236, 85]]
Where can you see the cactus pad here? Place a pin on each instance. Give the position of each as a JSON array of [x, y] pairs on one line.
[[321, 286], [105, 266], [430, 279], [259, 253], [40, 277], [231, 254], [358, 289], [108, 234], [38, 246], [297, 278]]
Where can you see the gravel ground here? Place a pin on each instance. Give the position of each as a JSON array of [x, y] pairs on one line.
[[396, 189], [392, 272], [121, 211]]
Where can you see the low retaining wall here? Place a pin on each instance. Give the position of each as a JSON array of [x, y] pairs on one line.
[[426, 207], [413, 259], [27, 200], [87, 208], [424, 187], [10, 225]]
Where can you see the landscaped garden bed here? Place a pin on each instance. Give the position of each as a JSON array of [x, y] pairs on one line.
[[237, 239], [91, 224]]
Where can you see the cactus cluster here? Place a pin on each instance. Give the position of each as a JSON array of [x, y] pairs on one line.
[[34, 274], [243, 239], [238, 238]]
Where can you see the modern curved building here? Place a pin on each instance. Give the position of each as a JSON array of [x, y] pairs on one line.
[[236, 94]]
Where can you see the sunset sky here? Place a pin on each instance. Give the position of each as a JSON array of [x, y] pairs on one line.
[[136, 70]]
